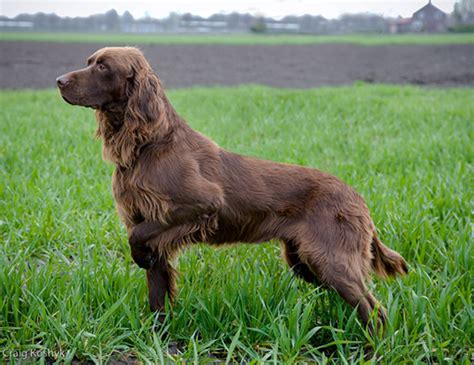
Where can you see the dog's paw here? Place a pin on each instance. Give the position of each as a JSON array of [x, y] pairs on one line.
[[145, 259]]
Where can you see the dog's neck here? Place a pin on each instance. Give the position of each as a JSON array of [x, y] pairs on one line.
[[122, 142]]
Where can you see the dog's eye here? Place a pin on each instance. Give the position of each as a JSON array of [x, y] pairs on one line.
[[101, 67]]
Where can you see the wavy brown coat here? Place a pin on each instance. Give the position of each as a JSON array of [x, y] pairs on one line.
[[174, 187]]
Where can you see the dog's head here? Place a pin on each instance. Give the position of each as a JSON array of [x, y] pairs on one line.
[[115, 79], [130, 103]]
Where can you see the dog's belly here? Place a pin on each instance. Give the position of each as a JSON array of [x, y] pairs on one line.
[[251, 230]]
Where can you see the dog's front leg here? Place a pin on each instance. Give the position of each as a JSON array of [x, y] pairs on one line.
[[160, 274], [162, 246], [161, 283], [141, 252], [153, 244], [182, 222]]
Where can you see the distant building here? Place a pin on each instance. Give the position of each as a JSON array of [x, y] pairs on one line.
[[274, 26], [142, 26], [427, 19], [400, 25], [8, 24], [203, 26]]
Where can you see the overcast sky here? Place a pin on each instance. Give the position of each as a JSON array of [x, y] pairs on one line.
[[272, 8]]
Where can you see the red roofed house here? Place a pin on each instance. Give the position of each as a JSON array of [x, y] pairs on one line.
[[400, 25], [427, 19]]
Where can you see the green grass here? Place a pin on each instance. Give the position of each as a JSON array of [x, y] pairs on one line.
[[67, 282], [239, 39]]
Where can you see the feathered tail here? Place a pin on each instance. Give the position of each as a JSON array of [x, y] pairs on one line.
[[386, 262]]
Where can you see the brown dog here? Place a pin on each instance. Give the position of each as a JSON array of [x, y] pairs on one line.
[[173, 187]]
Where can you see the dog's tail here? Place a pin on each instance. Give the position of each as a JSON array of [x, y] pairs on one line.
[[386, 262]]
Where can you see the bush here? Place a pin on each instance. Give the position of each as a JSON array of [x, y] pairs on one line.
[[462, 28], [259, 26]]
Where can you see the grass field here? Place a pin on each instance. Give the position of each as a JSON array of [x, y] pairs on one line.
[[236, 39], [68, 284]]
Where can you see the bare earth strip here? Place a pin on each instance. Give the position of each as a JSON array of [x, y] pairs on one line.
[[37, 64]]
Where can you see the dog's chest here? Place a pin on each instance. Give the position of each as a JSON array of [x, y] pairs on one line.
[[135, 200]]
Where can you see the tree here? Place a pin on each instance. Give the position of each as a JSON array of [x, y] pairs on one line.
[[464, 11], [127, 18], [112, 20], [259, 25]]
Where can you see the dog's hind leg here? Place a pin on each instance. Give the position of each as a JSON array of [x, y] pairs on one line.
[[344, 267], [290, 253]]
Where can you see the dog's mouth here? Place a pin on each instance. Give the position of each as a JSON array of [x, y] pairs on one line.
[[79, 102], [67, 100]]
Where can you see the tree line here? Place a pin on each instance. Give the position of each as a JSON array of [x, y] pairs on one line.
[[111, 21]]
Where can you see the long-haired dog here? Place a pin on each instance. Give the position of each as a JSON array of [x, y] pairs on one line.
[[174, 187]]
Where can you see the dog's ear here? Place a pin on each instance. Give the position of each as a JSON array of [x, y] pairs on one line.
[[143, 113], [145, 104]]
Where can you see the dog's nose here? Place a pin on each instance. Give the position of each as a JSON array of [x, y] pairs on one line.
[[62, 81]]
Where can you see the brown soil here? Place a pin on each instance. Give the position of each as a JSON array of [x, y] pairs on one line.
[[37, 64]]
